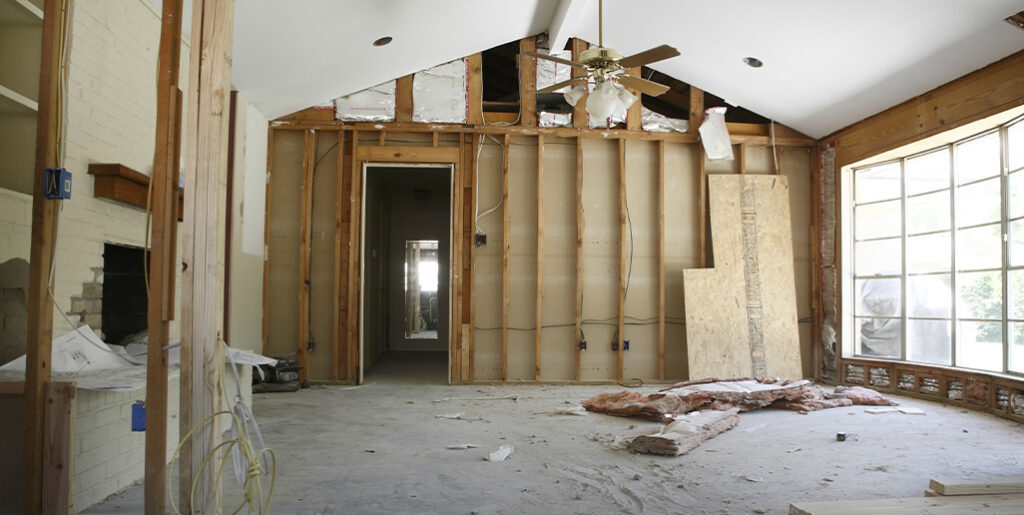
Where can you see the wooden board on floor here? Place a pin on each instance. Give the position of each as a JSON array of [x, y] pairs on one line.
[[990, 504], [741, 315], [1005, 485]]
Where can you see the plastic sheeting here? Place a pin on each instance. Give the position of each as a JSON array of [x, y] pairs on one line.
[[715, 135], [376, 104], [439, 94], [550, 73], [657, 122]]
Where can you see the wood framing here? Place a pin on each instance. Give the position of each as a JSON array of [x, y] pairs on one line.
[[403, 99], [59, 451], [696, 118], [206, 144], [340, 232], [620, 322], [527, 83], [38, 343], [267, 213], [305, 249], [440, 155], [506, 246], [579, 255], [990, 90], [163, 253], [580, 118], [352, 269], [474, 89], [469, 266], [540, 255], [661, 260]]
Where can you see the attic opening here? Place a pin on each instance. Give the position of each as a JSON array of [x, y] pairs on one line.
[[124, 299]]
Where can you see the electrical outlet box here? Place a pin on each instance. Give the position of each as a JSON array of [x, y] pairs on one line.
[[583, 344], [625, 345], [56, 183], [615, 346], [481, 239], [139, 416]]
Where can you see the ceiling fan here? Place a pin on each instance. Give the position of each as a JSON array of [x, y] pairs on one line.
[[606, 68]]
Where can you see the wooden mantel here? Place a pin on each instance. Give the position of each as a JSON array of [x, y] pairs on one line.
[[116, 181]]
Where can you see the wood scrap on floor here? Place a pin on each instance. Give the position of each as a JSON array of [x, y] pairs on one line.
[[1004, 485], [951, 505], [686, 433]]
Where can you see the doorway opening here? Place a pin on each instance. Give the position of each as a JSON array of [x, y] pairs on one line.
[[406, 272]]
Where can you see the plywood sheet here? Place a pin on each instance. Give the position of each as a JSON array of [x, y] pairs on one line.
[[741, 316]]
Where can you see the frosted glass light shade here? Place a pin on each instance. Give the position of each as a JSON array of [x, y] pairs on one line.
[[603, 100]]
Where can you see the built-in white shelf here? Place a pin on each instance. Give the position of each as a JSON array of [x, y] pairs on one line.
[[14, 102], [19, 12]]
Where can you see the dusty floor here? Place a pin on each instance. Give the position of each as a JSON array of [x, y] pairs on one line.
[[380, 448]]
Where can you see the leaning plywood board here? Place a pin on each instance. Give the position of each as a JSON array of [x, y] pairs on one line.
[[1003, 485], [741, 315], [957, 505]]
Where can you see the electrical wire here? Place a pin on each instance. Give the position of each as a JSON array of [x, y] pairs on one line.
[[775, 153]]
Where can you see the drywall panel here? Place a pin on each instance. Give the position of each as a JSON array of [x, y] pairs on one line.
[[558, 346], [487, 267], [681, 248], [321, 270], [283, 246], [255, 188], [741, 315], [641, 306], [523, 258], [600, 257]]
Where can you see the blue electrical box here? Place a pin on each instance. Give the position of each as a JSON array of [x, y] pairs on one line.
[[139, 416], [56, 183]]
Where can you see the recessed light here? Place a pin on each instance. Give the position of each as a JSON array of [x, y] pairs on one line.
[[382, 41], [753, 62]]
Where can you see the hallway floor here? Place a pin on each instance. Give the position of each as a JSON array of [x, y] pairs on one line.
[[381, 448]]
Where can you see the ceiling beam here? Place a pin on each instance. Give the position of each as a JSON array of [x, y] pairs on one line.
[[564, 22]]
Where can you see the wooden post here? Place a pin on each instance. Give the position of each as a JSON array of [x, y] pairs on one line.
[[267, 212], [474, 90], [696, 118], [743, 157], [403, 99], [580, 118], [163, 253], [471, 164], [579, 251], [540, 253], [339, 234], [305, 243], [621, 321], [506, 246], [527, 83], [44, 234], [355, 192], [201, 354], [59, 452], [661, 259]]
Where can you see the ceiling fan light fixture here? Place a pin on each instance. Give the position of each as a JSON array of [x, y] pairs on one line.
[[626, 98], [574, 95], [603, 100]]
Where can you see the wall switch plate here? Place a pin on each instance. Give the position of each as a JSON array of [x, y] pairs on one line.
[[625, 345]]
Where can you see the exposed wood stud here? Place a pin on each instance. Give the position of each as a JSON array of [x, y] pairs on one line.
[[439, 155], [339, 234], [661, 260], [403, 99], [579, 254], [44, 234], [696, 118], [381, 137], [540, 255], [816, 278], [59, 451], [163, 253], [621, 298], [742, 157], [527, 83], [433, 139], [474, 93], [471, 164], [305, 249], [268, 212], [506, 246], [352, 285], [580, 118]]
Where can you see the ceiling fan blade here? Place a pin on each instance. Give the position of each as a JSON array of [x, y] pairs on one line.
[[642, 85], [560, 85], [648, 56], [553, 58]]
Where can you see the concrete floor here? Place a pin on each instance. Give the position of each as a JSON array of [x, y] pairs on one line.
[[380, 448]]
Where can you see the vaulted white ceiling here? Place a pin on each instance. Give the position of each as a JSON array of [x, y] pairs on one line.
[[827, 63]]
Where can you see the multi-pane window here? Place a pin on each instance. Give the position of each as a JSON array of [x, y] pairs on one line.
[[938, 255]]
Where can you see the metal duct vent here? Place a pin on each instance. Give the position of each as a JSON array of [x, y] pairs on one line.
[[1017, 20]]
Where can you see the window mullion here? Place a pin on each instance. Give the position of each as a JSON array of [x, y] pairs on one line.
[[1004, 165], [904, 329], [954, 322]]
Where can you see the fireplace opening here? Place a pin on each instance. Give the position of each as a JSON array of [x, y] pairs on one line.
[[124, 292]]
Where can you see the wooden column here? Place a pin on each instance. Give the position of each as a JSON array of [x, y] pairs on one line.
[[540, 254], [44, 234], [580, 118], [403, 99], [742, 157], [305, 247], [206, 151], [506, 246], [474, 90], [163, 254], [621, 300], [661, 259], [579, 251], [355, 192], [470, 165], [340, 232], [527, 83], [59, 451], [696, 118], [267, 212]]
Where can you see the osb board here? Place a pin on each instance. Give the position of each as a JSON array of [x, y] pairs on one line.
[[681, 248], [641, 307], [558, 345], [283, 245], [321, 273], [725, 302], [487, 267], [523, 258], [600, 257]]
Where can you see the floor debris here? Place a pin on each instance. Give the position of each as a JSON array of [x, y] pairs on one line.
[[462, 446], [912, 411], [879, 411], [686, 433], [456, 416], [501, 454], [573, 410], [512, 397]]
